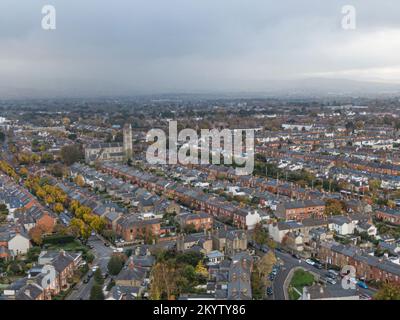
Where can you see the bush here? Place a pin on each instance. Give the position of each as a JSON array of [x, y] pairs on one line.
[[58, 239], [33, 254]]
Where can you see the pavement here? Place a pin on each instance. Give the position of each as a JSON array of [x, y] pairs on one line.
[[102, 256]]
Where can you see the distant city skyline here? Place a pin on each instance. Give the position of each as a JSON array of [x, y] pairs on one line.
[[103, 48]]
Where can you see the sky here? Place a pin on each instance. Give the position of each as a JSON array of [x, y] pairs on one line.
[[128, 47]]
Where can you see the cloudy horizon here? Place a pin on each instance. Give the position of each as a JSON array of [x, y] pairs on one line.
[[138, 47]]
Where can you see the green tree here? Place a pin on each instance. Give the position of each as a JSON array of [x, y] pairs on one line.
[[116, 264], [388, 291], [71, 154], [96, 293], [260, 235], [98, 277]]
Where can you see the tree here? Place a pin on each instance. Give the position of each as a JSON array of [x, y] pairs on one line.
[[266, 263], [3, 209], [57, 170], [334, 207], [116, 264], [24, 172], [96, 292], [58, 207], [260, 235], [71, 154], [33, 254], [79, 180], [36, 234], [98, 277], [191, 257], [97, 223], [164, 279], [257, 286], [388, 291], [189, 228], [201, 269]]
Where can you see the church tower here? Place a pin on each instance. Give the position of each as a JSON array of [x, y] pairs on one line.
[[127, 132]]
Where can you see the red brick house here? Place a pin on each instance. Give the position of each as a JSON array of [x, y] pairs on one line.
[[299, 210], [132, 228]]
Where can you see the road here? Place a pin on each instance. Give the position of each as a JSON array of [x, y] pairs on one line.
[[289, 264], [102, 256]]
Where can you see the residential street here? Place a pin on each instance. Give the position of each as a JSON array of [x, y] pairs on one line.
[[102, 256], [289, 264]]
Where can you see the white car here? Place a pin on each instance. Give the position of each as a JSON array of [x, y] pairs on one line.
[[310, 262], [94, 268]]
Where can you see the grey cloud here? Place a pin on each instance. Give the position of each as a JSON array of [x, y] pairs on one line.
[[133, 46]]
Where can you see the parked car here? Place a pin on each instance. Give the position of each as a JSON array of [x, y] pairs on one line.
[[330, 280], [90, 274], [270, 291], [86, 280], [333, 273], [271, 277], [310, 262], [362, 284], [296, 256], [106, 244], [329, 275], [318, 265], [365, 296]]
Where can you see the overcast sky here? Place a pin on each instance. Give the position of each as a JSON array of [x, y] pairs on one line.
[[103, 47]]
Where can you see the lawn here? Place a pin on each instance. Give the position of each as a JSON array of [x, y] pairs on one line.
[[301, 278], [71, 246]]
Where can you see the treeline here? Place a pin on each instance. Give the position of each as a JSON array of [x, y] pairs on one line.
[[8, 170], [84, 221]]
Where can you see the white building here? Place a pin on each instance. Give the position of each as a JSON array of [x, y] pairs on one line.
[[18, 244]]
